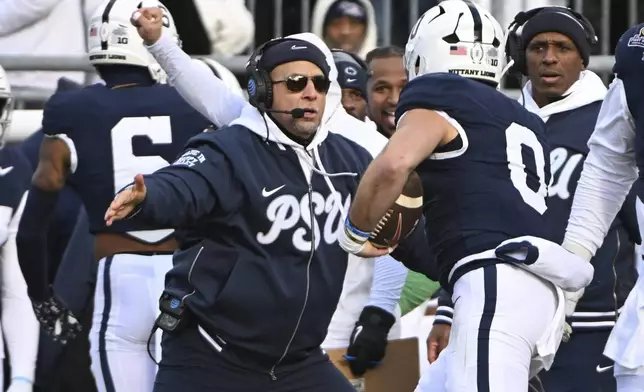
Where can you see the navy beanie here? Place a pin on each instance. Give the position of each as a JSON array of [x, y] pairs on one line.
[[557, 20], [293, 50], [349, 8], [351, 74]]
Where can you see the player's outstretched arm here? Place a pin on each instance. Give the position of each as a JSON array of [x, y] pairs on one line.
[[608, 174], [178, 194], [50, 177], [419, 132], [196, 84], [19, 324]]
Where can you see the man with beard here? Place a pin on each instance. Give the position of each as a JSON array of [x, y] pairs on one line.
[[387, 78]]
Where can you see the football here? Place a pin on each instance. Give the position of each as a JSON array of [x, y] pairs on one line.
[[402, 217]]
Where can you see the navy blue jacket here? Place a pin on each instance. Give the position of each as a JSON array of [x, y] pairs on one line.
[[258, 280], [568, 133]]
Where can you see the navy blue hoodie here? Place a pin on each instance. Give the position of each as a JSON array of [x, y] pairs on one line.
[[262, 285]]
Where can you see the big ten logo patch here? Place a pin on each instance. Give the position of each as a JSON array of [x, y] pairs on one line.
[[325, 216], [190, 158], [563, 165], [637, 39]]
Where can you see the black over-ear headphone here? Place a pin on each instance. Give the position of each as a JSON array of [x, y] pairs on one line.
[[514, 47], [259, 86]]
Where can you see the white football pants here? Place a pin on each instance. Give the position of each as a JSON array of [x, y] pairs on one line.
[[126, 303], [500, 313]]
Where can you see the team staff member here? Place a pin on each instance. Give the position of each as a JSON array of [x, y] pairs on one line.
[[568, 97], [259, 314], [372, 286]]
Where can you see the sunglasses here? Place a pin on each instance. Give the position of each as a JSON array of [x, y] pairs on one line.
[[297, 83]]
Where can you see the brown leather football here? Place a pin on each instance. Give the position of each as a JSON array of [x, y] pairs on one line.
[[401, 219]]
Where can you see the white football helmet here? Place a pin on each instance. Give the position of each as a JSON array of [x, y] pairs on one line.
[[112, 39], [459, 37], [6, 105]]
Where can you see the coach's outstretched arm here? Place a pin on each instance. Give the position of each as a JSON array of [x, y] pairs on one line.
[[196, 84], [178, 194]]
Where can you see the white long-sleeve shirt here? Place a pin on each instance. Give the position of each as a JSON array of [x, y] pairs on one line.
[[19, 324], [608, 174]]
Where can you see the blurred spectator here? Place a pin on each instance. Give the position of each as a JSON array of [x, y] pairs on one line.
[[220, 27], [45, 28], [229, 25], [349, 25]]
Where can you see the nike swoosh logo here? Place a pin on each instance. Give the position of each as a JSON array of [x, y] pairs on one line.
[[351, 80], [601, 369], [295, 47], [266, 193], [358, 330], [5, 170]]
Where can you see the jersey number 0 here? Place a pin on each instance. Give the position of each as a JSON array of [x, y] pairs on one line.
[[517, 136]]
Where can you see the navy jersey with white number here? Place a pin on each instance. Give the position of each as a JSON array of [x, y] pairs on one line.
[[489, 184], [115, 134]]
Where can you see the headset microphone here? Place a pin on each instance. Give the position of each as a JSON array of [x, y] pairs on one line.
[[295, 113]]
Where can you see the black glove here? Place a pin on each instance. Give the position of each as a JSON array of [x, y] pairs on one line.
[[57, 321], [369, 339]]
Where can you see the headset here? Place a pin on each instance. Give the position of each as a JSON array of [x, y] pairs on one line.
[[260, 86], [514, 47]]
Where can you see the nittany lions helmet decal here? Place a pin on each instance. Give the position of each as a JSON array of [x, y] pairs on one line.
[[112, 39], [6, 105], [458, 37]]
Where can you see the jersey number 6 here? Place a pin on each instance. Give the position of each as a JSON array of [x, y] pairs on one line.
[[126, 165]]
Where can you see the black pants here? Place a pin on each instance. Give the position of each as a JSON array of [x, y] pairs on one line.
[[576, 362], [189, 364]]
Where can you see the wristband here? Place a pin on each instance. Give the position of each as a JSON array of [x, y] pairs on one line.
[[23, 379], [351, 239], [355, 233]]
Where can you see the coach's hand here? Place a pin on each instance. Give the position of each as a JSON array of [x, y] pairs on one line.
[[368, 341], [149, 23], [126, 201], [437, 340]]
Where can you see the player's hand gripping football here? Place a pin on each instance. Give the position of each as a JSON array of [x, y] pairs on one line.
[[357, 242], [126, 201], [149, 23]]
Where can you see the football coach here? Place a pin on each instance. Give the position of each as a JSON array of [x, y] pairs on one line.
[[260, 205]]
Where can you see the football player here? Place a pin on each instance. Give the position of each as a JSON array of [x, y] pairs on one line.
[[98, 137], [481, 158], [611, 168], [19, 323]]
